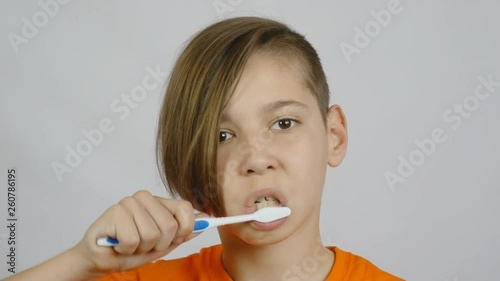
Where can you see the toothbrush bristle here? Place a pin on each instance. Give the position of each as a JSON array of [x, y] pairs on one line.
[[270, 214]]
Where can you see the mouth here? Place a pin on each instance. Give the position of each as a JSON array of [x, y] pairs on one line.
[[264, 198], [266, 201]]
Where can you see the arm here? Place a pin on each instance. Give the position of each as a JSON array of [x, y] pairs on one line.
[[148, 228], [61, 267]]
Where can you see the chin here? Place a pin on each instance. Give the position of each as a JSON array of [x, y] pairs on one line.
[[255, 237]]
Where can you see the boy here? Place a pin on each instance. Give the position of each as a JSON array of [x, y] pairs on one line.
[[245, 124]]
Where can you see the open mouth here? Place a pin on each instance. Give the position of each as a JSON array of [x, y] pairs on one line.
[[267, 201]]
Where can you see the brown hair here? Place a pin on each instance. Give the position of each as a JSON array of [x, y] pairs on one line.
[[201, 82]]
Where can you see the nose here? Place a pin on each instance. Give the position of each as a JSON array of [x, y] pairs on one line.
[[257, 160]]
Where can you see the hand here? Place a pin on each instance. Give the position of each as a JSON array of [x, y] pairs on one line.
[[147, 228]]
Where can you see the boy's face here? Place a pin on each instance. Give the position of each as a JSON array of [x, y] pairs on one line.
[[274, 144]]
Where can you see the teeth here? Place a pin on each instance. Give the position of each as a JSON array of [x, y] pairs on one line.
[[264, 202]]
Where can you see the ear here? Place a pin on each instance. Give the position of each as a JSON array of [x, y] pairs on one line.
[[337, 135]]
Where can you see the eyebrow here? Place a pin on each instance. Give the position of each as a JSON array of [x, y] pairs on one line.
[[274, 106]]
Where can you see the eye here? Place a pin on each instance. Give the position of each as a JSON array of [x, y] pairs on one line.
[[224, 136], [284, 124]]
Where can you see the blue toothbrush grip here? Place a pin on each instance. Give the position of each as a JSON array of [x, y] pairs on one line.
[[112, 240], [200, 225], [107, 242]]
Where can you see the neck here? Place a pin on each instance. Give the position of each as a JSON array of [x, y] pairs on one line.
[[301, 256]]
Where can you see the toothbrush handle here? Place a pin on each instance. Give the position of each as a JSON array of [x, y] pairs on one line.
[[107, 242], [202, 224]]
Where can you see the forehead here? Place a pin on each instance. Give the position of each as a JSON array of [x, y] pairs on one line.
[[266, 79]]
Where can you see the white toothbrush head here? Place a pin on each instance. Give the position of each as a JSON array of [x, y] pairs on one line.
[[270, 214]]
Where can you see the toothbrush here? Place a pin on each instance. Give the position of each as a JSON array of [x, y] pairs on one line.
[[268, 214]]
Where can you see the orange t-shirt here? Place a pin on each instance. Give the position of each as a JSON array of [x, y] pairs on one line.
[[207, 265]]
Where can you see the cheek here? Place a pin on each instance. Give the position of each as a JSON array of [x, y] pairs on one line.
[[226, 178], [309, 148], [307, 158]]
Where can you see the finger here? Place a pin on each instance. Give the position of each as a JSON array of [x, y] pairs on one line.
[[145, 226], [201, 215], [183, 213], [163, 219], [123, 228]]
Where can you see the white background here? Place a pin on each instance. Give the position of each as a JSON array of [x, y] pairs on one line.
[[441, 223]]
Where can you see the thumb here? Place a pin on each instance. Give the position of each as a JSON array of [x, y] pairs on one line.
[[197, 216]]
